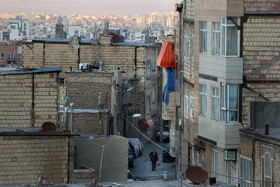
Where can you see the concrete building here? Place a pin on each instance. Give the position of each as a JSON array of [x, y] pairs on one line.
[[227, 64], [91, 94], [96, 152], [11, 53], [19, 29]]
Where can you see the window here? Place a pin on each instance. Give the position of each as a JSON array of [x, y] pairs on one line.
[[186, 106], [267, 166], [246, 172], [230, 35], [216, 38], [229, 173], [147, 105], [215, 162], [216, 103], [230, 103], [20, 56], [203, 100], [148, 69], [192, 44], [203, 37], [191, 107], [154, 60], [186, 43], [2, 57], [153, 94], [10, 56]]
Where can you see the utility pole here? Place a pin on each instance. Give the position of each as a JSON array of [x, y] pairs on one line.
[[179, 8]]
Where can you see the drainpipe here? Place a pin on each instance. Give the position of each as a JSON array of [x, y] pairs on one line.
[[33, 101], [71, 118], [101, 162]]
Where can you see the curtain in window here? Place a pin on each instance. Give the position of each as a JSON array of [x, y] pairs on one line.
[[203, 100], [233, 102], [216, 103], [231, 40]]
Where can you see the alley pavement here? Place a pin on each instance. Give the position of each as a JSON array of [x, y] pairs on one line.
[[143, 166]]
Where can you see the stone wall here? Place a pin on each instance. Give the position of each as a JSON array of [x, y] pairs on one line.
[[24, 158]]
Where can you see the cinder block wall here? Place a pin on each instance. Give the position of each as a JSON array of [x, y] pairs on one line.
[[16, 99], [23, 158]]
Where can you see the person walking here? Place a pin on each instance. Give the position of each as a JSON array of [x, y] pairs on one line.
[[154, 158]]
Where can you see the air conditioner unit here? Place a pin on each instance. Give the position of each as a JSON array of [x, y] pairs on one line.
[[84, 66], [230, 155]]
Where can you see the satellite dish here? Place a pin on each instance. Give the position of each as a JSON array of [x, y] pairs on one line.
[[196, 175], [48, 127]]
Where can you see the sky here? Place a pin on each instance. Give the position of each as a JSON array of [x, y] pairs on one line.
[[122, 7]]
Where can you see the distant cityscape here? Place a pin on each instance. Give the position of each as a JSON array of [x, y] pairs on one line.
[[18, 26]]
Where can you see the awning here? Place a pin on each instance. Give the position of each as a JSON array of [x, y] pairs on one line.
[[166, 57], [147, 123]]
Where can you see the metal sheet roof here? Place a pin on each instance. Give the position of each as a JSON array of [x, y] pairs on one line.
[[39, 70]]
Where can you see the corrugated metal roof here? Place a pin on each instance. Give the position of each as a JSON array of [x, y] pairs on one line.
[[39, 70], [166, 56]]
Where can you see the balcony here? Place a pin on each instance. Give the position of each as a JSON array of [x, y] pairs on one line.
[[223, 135], [220, 8], [228, 68]]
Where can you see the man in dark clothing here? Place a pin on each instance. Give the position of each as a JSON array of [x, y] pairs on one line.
[[154, 158]]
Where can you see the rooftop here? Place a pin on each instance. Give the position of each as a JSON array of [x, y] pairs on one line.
[[274, 133]]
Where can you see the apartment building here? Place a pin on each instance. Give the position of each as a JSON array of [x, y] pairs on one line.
[[11, 53], [230, 57]]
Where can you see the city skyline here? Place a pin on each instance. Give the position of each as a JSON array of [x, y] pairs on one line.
[[121, 7]]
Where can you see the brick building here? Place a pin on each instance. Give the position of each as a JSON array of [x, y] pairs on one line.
[[91, 94], [134, 59], [11, 53], [230, 59]]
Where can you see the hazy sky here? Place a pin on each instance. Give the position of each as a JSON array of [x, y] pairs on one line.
[[123, 7]]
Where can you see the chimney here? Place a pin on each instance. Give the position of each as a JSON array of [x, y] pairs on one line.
[[266, 129]]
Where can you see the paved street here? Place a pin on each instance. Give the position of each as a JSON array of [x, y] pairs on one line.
[[143, 169]]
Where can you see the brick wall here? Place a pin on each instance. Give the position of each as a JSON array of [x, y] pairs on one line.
[[16, 99], [37, 55], [84, 88], [261, 41], [23, 158], [82, 176], [251, 147], [89, 123], [10, 47], [261, 6]]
